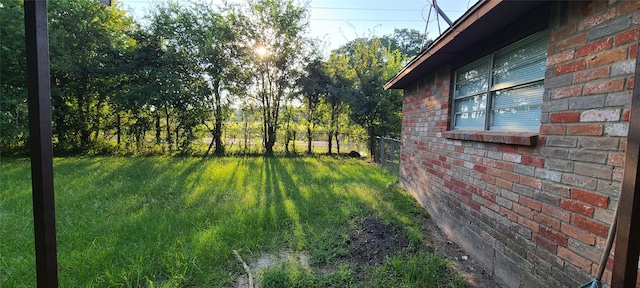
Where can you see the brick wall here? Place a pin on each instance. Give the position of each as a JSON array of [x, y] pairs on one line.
[[535, 215]]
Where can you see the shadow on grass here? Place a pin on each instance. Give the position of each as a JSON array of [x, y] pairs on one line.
[[173, 222], [124, 223]]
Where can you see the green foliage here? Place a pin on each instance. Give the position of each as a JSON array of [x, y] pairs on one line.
[[86, 41], [340, 89], [13, 93], [183, 90], [366, 64], [276, 28], [315, 84], [376, 109], [113, 79], [406, 41], [124, 88], [207, 39]]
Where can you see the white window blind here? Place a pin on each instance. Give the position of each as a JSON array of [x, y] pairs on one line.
[[515, 88], [517, 108], [470, 96]]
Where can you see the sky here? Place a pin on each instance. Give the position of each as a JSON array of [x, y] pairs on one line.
[[338, 21]]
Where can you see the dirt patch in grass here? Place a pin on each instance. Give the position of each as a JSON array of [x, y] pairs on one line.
[[373, 240]]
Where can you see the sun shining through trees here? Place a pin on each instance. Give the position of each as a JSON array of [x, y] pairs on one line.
[[195, 79], [261, 51]]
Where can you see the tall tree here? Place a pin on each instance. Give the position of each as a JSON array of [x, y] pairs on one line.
[[137, 104], [275, 29], [85, 36], [407, 41], [290, 119], [341, 87], [314, 84], [373, 61], [183, 90], [219, 54], [377, 110]]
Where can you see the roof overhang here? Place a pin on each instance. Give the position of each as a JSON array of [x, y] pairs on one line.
[[480, 22]]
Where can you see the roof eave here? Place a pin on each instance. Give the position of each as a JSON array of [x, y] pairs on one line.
[[438, 43], [477, 24]]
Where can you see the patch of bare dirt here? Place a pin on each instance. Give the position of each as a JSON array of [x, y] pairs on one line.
[[373, 240]]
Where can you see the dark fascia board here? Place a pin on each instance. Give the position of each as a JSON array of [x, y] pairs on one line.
[[479, 22]]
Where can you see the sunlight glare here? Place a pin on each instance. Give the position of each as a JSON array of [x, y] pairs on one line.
[[261, 51]]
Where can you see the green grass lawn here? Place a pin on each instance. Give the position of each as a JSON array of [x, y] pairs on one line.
[[174, 222]]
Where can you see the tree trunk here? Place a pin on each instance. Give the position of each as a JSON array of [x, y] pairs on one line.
[[286, 143], [329, 142], [85, 134], [371, 142], [144, 136], [246, 131], [58, 119], [98, 118], [265, 127], [138, 138], [309, 138], [271, 140], [210, 144], [177, 130], [294, 141], [158, 139], [217, 130], [337, 141], [169, 140], [84, 130], [287, 137], [218, 136], [332, 124], [118, 128], [265, 116]]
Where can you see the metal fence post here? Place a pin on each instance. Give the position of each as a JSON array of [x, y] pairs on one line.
[[387, 159]]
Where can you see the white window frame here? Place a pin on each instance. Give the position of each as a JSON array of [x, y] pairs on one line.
[[487, 108]]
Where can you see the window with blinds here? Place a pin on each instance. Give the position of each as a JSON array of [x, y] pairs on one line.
[[502, 91]]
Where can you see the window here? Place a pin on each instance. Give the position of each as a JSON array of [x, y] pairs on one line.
[[503, 91]]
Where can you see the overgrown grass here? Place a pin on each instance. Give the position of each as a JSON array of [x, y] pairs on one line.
[[173, 222], [294, 275], [419, 270]]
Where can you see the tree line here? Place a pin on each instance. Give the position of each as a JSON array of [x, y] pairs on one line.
[[187, 70]]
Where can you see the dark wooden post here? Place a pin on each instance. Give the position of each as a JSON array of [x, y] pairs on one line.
[[39, 101], [382, 160], [625, 264]]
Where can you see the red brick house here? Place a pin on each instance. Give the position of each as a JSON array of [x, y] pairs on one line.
[[515, 125]]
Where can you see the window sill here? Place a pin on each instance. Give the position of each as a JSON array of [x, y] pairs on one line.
[[512, 138]]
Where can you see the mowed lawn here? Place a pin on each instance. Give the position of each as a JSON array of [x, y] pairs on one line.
[[174, 222]]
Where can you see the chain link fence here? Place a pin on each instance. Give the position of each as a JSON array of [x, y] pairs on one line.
[[386, 152]]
